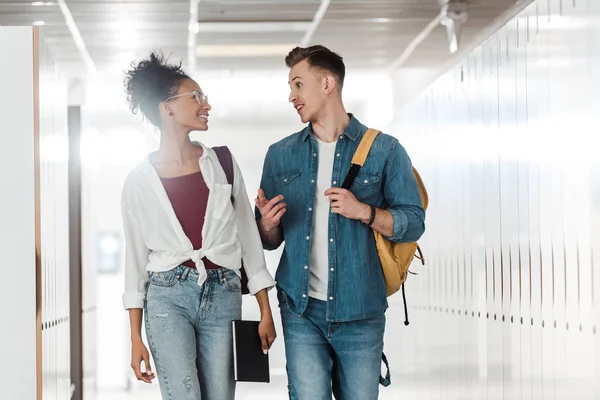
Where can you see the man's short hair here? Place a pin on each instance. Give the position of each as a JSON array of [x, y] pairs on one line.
[[319, 57]]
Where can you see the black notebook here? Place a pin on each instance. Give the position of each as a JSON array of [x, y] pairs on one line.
[[250, 364]]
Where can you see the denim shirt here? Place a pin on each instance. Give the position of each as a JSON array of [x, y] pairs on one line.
[[356, 288]]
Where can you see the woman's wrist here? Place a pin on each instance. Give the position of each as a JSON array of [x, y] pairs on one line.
[[266, 312], [262, 297], [136, 337]]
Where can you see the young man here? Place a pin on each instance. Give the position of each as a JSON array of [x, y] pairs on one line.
[[331, 289]]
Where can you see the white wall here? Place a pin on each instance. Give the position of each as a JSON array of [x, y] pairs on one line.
[[17, 219], [506, 143], [33, 221]]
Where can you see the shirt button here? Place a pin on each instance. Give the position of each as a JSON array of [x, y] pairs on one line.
[[310, 209], [313, 181], [366, 181], [314, 155], [308, 238], [338, 154], [304, 296], [177, 276], [306, 267], [285, 180], [331, 240], [332, 270], [331, 298], [335, 182]]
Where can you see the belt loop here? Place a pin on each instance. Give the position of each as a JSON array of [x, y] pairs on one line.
[[185, 273]]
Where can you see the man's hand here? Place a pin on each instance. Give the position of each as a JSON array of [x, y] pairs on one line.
[[271, 210], [344, 203]]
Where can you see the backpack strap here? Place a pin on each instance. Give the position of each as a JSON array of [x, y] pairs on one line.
[[385, 382], [226, 161], [360, 156]]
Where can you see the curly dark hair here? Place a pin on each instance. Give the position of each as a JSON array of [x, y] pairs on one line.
[[150, 82]]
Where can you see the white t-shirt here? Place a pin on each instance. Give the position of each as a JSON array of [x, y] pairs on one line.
[[319, 252]]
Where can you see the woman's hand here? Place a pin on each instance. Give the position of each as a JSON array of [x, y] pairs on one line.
[[140, 353], [266, 331]]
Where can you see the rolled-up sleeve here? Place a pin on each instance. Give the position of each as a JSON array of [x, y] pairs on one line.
[[403, 197], [136, 259], [253, 256]]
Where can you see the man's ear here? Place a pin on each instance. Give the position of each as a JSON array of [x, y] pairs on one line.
[[329, 84]]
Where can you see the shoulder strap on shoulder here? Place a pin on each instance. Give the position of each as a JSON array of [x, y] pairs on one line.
[[226, 161], [360, 156]]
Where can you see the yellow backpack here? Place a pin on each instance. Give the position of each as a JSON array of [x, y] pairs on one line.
[[395, 258]]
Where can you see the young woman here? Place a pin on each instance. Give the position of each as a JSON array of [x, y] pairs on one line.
[[186, 243]]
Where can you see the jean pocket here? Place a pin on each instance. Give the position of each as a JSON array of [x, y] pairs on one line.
[[281, 298], [232, 282], [165, 279]]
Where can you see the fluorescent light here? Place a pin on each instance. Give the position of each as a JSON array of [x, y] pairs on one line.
[[42, 3], [39, 23], [285, 26], [382, 20], [247, 50]]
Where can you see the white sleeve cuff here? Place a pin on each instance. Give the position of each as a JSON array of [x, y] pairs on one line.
[[260, 281], [133, 300]]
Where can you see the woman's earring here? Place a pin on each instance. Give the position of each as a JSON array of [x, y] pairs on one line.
[[171, 113]]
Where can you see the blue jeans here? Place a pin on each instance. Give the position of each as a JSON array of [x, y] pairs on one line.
[[324, 357], [189, 332]]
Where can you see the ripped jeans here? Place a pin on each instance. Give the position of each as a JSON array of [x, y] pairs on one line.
[[189, 332]]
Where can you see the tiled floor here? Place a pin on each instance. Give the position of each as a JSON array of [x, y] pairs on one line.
[[276, 390]]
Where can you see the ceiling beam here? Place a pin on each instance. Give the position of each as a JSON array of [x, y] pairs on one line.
[[430, 27], [87, 59], [192, 36], [246, 27], [315, 23]]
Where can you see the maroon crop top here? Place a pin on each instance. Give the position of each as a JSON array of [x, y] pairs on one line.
[[189, 196]]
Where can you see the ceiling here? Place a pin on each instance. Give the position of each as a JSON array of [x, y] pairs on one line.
[[242, 35]]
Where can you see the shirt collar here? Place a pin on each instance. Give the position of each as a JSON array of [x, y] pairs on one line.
[[353, 131]]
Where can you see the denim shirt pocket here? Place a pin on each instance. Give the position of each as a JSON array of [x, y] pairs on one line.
[[288, 184], [367, 187]]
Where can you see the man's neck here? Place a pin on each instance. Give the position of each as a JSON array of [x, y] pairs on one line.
[[330, 125]]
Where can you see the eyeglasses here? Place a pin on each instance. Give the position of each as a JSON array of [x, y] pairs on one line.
[[201, 98]]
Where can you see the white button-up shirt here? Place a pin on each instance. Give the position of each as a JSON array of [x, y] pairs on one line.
[[155, 240]]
